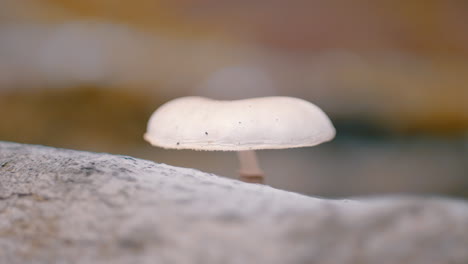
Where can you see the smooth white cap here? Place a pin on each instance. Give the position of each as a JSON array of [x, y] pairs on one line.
[[258, 123]]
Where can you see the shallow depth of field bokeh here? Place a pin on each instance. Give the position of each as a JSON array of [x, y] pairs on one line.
[[391, 74]]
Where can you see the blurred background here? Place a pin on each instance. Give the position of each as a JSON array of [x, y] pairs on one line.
[[391, 74]]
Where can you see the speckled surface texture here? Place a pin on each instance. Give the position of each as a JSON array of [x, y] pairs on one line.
[[65, 206]]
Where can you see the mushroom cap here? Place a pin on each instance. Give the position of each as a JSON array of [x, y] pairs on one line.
[[258, 123]]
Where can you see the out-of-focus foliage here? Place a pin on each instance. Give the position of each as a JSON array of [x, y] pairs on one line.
[[433, 27], [403, 61], [80, 117]]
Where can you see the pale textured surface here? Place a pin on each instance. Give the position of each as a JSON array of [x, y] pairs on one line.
[[64, 206], [275, 122]]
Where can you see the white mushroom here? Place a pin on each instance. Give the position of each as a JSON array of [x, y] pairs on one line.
[[243, 125]]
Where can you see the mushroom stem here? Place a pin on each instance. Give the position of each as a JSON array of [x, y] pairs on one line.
[[249, 169]]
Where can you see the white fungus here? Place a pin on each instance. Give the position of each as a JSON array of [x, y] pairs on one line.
[[259, 123], [244, 126]]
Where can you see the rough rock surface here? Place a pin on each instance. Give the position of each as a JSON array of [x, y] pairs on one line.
[[65, 206]]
